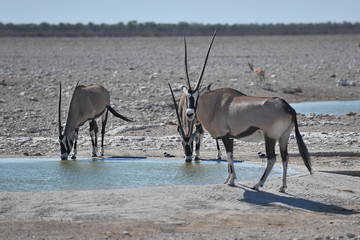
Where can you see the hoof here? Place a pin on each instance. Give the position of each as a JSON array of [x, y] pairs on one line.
[[197, 158], [282, 189], [256, 188], [73, 157], [188, 158]]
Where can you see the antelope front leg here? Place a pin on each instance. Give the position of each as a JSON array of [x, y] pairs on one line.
[[198, 140], [231, 170], [93, 136], [229, 145]]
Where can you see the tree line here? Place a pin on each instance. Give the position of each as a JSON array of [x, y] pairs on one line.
[[151, 29]]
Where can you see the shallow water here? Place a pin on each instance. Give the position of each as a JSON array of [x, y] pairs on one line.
[[40, 174], [327, 107]]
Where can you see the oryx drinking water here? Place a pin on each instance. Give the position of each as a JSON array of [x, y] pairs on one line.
[[187, 121], [185, 129], [88, 103], [228, 114]]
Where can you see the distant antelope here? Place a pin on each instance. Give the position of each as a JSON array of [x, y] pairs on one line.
[[87, 104], [259, 72], [185, 129], [227, 114]]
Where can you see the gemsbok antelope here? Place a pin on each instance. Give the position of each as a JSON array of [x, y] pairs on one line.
[[186, 125], [185, 129], [88, 103], [228, 114], [259, 72]]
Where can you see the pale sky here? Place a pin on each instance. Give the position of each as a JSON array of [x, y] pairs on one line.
[[174, 11]]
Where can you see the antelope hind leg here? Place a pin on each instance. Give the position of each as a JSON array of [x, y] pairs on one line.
[[270, 152], [76, 134]]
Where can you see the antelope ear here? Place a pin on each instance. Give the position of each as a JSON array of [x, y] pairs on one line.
[[185, 90], [206, 89]]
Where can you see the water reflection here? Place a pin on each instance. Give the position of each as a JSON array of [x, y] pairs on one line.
[[52, 174]]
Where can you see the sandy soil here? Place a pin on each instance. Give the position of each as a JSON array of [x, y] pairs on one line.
[[136, 71]]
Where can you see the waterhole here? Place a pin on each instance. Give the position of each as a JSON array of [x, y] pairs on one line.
[[41, 174]]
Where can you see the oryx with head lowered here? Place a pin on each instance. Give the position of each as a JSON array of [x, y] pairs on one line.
[[185, 129], [88, 103], [228, 114], [187, 121]]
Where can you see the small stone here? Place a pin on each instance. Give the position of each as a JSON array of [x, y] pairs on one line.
[[350, 114], [351, 235]]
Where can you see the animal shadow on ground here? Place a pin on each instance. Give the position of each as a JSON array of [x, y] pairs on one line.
[[287, 201]]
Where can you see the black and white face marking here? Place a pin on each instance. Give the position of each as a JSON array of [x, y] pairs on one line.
[[191, 103], [187, 143], [65, 147]]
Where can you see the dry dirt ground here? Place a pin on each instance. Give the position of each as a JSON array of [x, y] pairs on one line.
[[136, 72]]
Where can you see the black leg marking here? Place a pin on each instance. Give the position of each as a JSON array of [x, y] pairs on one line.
[[270, 147], [228, 143], [270, 152], [103, 132], [218, 150]]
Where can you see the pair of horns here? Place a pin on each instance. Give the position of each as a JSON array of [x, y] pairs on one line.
[[182, 132], [203, 69]]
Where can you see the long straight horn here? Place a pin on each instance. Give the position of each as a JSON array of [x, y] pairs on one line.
[[59, 120], [207, 56], [177, 112], [186, 66]]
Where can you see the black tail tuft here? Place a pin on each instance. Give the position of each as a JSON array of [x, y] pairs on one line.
[[116, 114], [304, 153], [301, 145]]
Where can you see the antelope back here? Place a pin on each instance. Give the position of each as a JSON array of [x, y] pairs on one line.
[[87, 102], [229, 112]]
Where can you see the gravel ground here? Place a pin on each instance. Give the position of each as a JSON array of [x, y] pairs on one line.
[[136, 72]]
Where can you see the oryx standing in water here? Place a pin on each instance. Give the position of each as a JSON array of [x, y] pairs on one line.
[[88, 103], [227, 114]]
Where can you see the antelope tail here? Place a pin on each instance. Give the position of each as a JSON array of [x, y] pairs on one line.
[[301, 145], [304, 153], [116, 114]]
